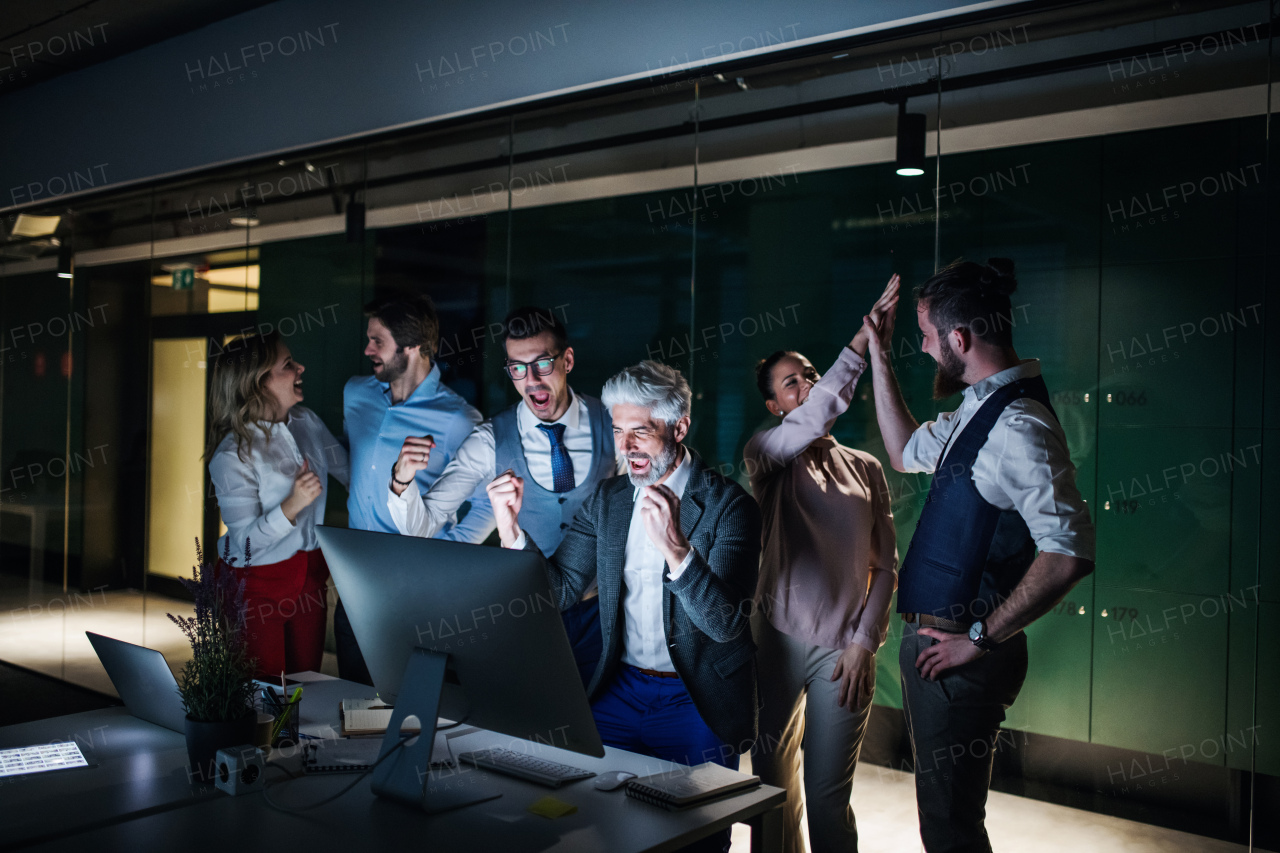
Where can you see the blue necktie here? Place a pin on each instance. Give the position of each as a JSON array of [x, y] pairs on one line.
[[561, 464]]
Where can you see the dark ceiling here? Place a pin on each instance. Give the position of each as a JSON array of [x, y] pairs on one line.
[[40, 39]]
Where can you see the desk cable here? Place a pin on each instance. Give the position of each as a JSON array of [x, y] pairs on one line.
[[356, 781]]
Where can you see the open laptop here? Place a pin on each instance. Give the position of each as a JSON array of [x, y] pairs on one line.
[[143, 680]]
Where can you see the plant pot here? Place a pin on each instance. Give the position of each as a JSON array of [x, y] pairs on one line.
[[204, 739]]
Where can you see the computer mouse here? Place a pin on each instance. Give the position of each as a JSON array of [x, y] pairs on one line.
[[612, 780]]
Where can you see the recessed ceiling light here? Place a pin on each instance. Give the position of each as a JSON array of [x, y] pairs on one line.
[[245, 221]]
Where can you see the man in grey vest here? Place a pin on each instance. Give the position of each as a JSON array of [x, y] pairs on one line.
[[559, 442], [1003, 488]]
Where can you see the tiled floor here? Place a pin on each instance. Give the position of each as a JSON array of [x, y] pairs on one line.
[[45, 633]]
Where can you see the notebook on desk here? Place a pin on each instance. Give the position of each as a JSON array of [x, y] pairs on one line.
[[689, 786]]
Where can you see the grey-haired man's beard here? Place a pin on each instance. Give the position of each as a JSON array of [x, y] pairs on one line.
[[658, 466], [948, 379], [393, 369]]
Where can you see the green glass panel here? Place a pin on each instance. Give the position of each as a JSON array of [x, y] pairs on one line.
[[1271, 390], [1164, 497], [1160, 670], [1268, 714], [1247, 488], [1055, 697], [1036, 204], [621, 289], [1181, 192], [1167, 342], [1269, 536], [1250, 347], [1055, 320], [312, 292], [888, 672], [1253, 703]]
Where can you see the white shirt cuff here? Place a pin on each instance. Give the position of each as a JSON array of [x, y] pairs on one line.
[[277, 522], [851, 358], [409, 494], [520, 542], [672, 574]]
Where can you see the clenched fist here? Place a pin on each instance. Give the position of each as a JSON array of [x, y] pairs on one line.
[[415, 456], [506, 494]]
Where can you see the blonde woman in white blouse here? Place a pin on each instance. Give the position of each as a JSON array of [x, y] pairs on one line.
[[270, 460]]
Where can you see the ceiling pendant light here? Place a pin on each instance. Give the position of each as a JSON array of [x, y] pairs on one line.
[[66, 260], [911, 139]]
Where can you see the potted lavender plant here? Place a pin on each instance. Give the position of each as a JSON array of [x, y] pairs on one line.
[[216, 685]]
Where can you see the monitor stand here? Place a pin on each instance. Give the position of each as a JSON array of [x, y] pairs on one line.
[[406, 777]]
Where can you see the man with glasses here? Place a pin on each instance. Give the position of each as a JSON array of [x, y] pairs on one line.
[[559, 442]]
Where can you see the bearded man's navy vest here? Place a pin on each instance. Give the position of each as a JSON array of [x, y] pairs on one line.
[[967, 555], [544, 514]]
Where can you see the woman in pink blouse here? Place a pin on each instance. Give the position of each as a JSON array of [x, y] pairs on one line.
[[828, 569]]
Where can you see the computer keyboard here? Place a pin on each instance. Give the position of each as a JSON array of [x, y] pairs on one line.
[[526, 767]]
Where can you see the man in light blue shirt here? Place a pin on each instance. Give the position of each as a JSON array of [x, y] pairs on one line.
[[404, 397]]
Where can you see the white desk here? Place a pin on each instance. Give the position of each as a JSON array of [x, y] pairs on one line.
[[140, 797]]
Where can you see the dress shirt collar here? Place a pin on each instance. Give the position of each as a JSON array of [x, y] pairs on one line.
[[426, 389], [528, 421], [679, 477], [1025, 369], [273, 426]]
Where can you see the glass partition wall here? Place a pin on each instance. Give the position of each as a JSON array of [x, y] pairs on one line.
[[1119, 153]]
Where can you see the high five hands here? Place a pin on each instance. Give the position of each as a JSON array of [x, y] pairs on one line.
[[881, 317], [877, 327]]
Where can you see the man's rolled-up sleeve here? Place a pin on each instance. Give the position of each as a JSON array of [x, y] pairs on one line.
[[924, 447], [1036, 472]]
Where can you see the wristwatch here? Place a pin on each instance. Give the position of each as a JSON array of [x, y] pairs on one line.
[[978, 636]]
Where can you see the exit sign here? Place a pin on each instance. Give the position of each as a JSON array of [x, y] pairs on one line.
[[184, 279]]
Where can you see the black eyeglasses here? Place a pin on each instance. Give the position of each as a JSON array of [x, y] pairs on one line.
[[541, 366]]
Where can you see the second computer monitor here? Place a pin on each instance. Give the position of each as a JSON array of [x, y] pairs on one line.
[[511, 669]]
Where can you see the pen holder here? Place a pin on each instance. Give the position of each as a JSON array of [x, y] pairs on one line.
[[285, 716]]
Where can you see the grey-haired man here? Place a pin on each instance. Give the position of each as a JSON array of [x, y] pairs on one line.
[[675, 549]]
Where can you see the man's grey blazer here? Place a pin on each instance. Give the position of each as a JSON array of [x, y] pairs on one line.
[[706, 611]]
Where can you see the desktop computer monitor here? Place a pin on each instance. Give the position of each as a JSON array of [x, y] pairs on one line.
[[510, 667]]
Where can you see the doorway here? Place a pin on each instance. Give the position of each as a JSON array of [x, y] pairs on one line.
[[181, 504]]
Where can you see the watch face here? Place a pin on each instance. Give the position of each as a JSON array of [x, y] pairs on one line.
[[975, 631]]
